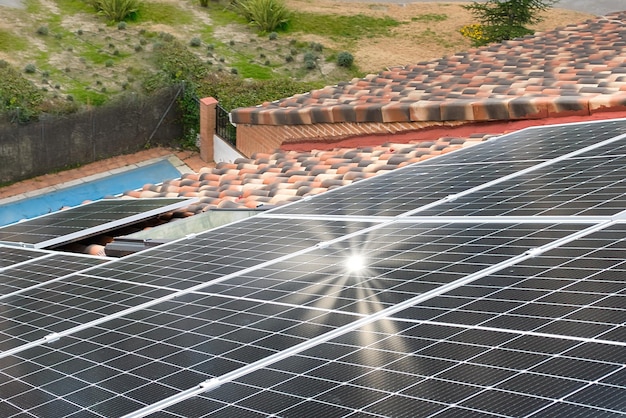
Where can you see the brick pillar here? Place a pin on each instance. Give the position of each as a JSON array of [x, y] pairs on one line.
[[208, 107]]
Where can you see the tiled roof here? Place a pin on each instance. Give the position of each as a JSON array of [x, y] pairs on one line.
[[282, 177], [576, 70]]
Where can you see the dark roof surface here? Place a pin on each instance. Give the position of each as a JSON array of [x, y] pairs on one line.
[[578, 69]]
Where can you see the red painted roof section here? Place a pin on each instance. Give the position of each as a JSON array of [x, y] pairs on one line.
[[576, 70]]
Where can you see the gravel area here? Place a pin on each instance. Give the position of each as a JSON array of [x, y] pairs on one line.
[[597, 7]]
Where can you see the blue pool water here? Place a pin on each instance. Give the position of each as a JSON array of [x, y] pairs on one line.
[[92, 190]]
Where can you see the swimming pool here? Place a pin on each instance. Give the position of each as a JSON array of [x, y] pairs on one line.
[[96, 189]]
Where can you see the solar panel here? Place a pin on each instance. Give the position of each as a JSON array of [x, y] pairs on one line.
[[579, 186], [509, 157], [85, 220], [39, 268], [378, 299], [540, 143], [402, 190], [398, 368], [10, 256], [198, 259]]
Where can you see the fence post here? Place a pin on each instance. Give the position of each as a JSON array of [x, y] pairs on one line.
[[208, 107]]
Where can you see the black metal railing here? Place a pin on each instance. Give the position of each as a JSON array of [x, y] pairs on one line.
[[223, 128]]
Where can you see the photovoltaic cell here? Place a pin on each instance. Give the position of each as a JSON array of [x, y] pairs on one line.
[[60, 305], [37, 271], [408, 259], [395, 368], [553, 293], [224, 251], [541, 143], [153, 353], [85, 220], [579, 186], [421, 184], [402, 190], [10, 256]]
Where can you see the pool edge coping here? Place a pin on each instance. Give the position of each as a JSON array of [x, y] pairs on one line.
[[176, 162]]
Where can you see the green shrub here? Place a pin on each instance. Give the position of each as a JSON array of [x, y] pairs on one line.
[[316, 46], [17, 94], [177, 62], [30, 69], [310, 56], [345, 59], [167, 37], [121, 25], [117, 10], [108, 63], [273, 36], [233, 91], [267, 15], [195, 42], [42, 30]]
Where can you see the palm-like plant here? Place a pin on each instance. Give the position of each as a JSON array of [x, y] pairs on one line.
[[267, 15], [117, 10]]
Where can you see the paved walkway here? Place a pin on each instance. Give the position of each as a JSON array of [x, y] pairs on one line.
[[187, 161]]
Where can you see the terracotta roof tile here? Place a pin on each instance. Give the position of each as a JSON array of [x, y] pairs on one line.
[[289, 176], [578, 69]]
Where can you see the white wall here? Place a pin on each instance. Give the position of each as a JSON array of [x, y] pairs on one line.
[[223, 151]]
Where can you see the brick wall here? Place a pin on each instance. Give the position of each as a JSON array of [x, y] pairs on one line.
[[267, 138]]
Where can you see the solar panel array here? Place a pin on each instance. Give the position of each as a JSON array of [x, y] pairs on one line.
[[84, 221], [395, 296]]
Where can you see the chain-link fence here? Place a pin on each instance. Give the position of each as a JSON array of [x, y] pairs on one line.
[[57, 142]]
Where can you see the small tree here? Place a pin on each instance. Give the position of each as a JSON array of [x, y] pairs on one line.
[[507, 19]]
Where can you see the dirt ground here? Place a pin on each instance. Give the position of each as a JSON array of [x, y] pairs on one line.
[[428, 30]]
